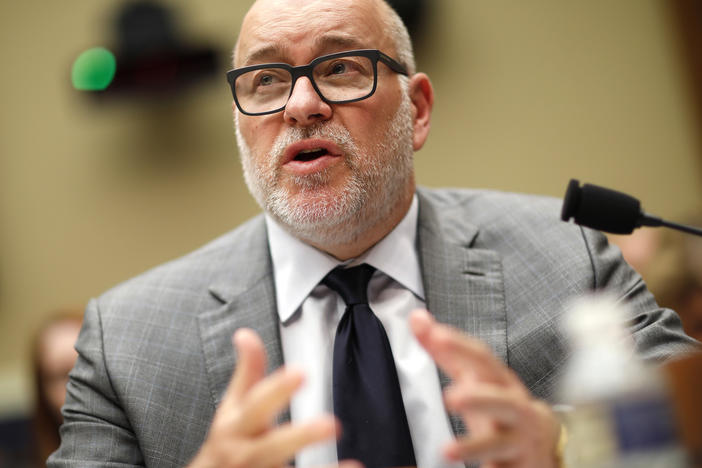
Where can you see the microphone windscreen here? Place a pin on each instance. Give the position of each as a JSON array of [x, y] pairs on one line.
[[601, 208]]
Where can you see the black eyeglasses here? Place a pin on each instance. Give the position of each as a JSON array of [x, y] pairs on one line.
[[342, 77]]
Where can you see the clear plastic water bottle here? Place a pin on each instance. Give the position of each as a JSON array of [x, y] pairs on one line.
[[618, 413]]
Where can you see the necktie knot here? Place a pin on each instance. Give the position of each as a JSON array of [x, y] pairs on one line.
[[350, 283]]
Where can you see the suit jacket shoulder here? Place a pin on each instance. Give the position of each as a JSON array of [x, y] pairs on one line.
[[504, 267], [155, 353]]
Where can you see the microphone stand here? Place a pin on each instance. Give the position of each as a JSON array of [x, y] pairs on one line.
[[654, 221]]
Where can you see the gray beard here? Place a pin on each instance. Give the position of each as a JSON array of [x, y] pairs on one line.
[[371, 192]]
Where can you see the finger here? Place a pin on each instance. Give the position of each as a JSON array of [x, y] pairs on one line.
[[421, 322], [497, 447], [479, 425], [426, 330], [458, 354], [281, 444], [349, 464], [503, 406], [266, 399], [251, 364]]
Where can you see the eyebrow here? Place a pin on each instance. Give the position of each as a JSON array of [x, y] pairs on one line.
[[263, 54], [323, 44], [338, 41]]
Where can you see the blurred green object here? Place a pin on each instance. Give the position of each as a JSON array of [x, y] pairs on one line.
[[94, 69]]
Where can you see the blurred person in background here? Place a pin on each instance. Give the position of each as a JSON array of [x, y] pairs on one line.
[[53, 356], [670, 263]]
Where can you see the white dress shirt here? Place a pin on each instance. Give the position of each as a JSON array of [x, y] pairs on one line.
[[309, 313]]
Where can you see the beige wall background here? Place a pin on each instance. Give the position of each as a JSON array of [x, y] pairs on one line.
[[528, 95]]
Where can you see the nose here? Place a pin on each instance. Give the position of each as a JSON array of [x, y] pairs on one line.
[[305, 107]]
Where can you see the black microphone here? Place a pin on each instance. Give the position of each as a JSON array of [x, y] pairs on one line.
[[610, 211]]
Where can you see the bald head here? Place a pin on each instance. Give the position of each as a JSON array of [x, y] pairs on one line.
[[376, 17]]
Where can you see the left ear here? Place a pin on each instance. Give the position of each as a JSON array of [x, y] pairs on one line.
[[422, 95]]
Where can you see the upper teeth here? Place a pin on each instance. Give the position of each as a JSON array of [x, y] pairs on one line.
[[311, 150]]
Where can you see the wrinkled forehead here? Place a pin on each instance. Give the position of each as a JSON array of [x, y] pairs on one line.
[[295, 31]]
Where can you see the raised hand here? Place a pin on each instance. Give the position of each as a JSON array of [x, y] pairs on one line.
[[507, 427], [243, 432]]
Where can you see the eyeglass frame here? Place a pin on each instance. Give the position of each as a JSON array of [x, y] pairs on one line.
[[374, 55]]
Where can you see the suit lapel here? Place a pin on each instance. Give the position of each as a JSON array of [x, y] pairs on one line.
[[246, 299], [463, 284]]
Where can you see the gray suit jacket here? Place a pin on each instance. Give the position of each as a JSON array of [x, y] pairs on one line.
[[155, 353]]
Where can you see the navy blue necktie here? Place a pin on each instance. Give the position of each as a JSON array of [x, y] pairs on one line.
[[366, 390]]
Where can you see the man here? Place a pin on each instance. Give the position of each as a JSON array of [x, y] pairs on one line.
[[327, 152]]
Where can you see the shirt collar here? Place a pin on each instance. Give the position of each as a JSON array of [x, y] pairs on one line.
[[299, 267]]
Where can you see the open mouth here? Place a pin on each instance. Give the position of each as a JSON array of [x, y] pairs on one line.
[[310, 154]]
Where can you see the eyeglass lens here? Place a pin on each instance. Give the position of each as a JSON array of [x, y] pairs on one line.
[[338, 79]]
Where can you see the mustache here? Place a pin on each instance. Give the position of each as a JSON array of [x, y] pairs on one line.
[[323, 130]]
